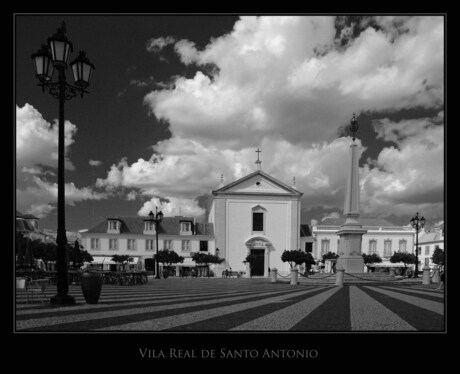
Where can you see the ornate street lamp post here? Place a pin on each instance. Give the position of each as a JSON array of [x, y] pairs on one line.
[[53, 56], [417, 223], [157, 220]]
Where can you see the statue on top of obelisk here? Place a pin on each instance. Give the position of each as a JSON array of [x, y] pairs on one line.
[[351, 231]]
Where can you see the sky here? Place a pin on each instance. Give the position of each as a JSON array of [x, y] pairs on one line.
[[176, 101]]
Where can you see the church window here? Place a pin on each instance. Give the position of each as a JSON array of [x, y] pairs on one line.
[[257, 221]]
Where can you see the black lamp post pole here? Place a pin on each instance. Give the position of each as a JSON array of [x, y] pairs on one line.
[[157, 276], [417, 223], [62, 278], [416, 252]]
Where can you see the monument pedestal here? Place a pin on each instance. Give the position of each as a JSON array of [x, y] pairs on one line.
[[350, 258], [351, 264]]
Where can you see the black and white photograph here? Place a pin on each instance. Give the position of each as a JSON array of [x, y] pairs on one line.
[[229, 176]]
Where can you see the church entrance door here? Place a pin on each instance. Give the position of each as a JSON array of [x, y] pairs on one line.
[[258, 266]]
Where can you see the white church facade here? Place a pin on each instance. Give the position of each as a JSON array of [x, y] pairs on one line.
[[257, 215]]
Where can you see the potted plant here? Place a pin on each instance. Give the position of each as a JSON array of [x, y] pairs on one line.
[[91, 285]]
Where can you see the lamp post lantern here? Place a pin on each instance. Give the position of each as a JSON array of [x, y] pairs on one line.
[[157, 220], [55, 55], [417, 223]]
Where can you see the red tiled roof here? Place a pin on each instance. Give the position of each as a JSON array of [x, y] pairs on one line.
[[168, 226]]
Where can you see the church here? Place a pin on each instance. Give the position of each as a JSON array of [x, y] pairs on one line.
[[258, 215]]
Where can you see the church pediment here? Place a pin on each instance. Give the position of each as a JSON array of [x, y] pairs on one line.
[[257, 183]]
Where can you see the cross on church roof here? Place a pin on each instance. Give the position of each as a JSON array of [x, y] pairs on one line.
[[258, 162]]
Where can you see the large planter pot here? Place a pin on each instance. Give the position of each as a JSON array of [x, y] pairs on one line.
[[20, 283], [294, 276], [91, 285]]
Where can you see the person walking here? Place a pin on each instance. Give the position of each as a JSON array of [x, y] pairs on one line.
[[441, 283]]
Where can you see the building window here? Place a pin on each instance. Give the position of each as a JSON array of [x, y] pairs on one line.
[[132, 244], [257, 221], [427, 250], [324, 246], [185, 245], [95, 243], [372, 246], [113, 225], [387, 248], [308, 247], [185, 226], [203, 245], [167, 244], [113, 244], [403, 245], [149, 245], [149, 226]]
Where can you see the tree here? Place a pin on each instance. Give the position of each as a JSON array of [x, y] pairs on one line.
[[309, 262], [167, 257], [329, 256], [438, 256], [371, 259], [296, 257], [250, 259], [206, 259], [404, 257], [122, 259], [41, 250]]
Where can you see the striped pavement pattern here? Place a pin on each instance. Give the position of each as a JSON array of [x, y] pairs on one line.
[[239, 305]]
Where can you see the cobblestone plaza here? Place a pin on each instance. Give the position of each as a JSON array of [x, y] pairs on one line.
[[238, 305]]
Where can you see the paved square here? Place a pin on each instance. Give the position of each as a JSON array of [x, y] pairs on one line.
[[200, 304]]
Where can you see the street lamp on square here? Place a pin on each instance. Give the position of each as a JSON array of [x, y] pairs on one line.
[[55, 56], [417, 223], [156, 219]]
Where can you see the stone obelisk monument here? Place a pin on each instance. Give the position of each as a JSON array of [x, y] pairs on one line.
[[351, 232]]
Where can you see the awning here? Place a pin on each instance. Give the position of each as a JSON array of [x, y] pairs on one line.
[[103, 260], [387, 265]]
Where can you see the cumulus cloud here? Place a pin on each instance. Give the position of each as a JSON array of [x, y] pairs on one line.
[[36, 152], [272, 83], [286, 84], [155, 45], [95, 163], [409, 176], [37, 139], [172, 207]]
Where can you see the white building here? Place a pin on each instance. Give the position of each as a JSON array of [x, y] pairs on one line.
[[382, 237], [258, 215], [428, 242], [136, 237]]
